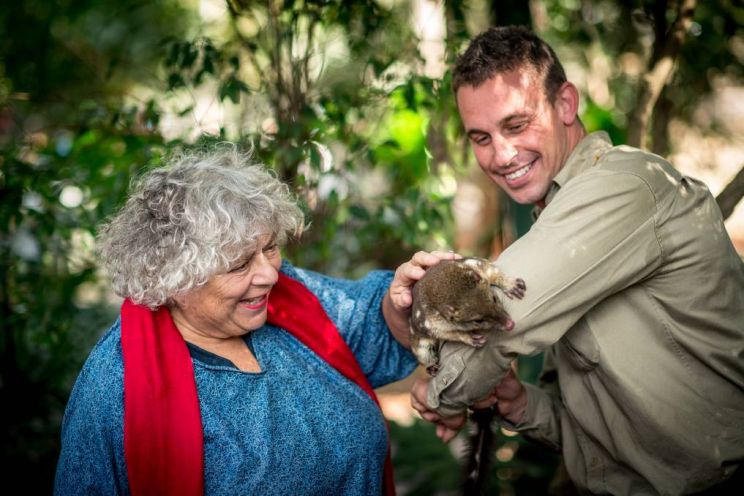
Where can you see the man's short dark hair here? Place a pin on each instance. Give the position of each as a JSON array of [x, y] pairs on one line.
[[507, 48]]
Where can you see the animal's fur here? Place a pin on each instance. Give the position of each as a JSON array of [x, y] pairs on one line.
[[480, 450], [457, 301]]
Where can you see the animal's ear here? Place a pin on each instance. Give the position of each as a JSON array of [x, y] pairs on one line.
[[473, 278]]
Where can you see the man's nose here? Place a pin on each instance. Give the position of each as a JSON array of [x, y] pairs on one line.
[[504, 152]]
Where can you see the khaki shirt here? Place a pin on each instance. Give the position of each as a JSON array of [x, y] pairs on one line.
[[636, 294]]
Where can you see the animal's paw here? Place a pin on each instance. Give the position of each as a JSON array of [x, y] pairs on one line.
[[433, 369], [508, 325], [517, 289], [477, 340]]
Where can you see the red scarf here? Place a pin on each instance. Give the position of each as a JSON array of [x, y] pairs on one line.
[[163, 439]]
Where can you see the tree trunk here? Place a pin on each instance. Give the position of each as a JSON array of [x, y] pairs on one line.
[[659, 73], [731, 195]]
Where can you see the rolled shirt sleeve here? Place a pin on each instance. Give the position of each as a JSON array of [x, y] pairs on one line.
[[595, 238]]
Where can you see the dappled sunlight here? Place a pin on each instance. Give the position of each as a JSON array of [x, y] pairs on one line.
[[351, 104], [656, 168], [712, 148], [397, 407]]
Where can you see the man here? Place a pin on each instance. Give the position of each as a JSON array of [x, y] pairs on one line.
[[634, 292]]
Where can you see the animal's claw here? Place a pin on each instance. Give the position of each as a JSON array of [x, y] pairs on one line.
[[518, 290], [478, 340]]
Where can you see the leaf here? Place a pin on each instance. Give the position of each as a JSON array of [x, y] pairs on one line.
[[175, 81], [231, 89], [359, 212]]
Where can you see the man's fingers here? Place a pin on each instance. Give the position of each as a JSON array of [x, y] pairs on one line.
[[446, 427], [430, 416], [486, 403], [424, 411], [445, 433]]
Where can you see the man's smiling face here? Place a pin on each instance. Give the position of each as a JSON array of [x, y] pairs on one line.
[[520, 139]]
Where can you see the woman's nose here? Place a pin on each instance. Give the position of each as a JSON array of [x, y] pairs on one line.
[[265, 271]]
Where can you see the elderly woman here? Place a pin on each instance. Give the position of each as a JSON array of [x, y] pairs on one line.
[[229, 371]]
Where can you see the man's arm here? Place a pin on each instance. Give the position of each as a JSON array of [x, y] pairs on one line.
[[596, 238], [509, 397]]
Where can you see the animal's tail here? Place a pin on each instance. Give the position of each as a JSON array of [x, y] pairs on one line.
[[480, 451]]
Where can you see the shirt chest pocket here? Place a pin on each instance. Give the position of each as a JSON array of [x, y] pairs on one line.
[[579, 347]]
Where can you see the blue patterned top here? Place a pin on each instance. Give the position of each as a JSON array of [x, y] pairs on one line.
[[298, 427]]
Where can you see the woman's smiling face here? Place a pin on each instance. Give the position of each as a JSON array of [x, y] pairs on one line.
[[233, 303]]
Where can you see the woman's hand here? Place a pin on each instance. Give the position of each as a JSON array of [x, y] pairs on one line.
[[396, 306]]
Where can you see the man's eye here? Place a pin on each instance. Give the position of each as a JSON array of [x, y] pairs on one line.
[[517, 127], [480, 140]]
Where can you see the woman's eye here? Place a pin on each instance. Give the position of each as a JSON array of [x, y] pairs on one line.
[[241, 267], [272, 247]]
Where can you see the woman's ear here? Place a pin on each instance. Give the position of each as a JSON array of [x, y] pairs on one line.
[[178, 301], [567, 103]]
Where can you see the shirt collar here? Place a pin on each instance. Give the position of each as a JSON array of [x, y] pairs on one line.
[[585, 155]]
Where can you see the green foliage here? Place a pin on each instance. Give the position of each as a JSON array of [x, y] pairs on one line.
[[50, 302], [347, 134], [624, 34], [326, 93], [425, 466], [68, 145], [597, 118]]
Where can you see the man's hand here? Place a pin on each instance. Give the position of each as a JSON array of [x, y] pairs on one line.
[[396, 306], [510, 398], [446, 427]]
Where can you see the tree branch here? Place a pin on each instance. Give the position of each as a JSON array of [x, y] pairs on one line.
[[731, 195], [659, 74]]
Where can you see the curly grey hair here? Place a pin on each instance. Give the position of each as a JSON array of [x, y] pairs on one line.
[[191, 219]]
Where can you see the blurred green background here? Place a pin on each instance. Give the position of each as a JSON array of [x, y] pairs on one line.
[[349, 101]]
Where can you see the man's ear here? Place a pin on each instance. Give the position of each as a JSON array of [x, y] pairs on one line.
[[567, 103]]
